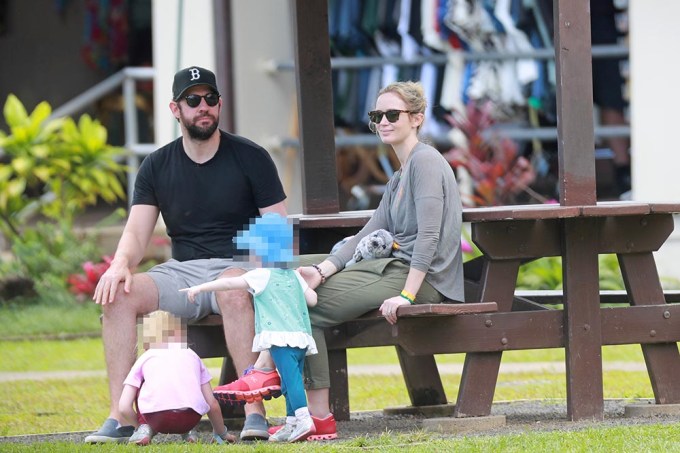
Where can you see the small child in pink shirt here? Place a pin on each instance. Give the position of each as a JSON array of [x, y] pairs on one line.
[[170, 384]]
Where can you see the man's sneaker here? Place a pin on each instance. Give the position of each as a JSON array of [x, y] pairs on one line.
[[142, 436], [255, 428], [283, 434], [326, 428], [190, 437], [109, 432], [254, 385], [303, 429]]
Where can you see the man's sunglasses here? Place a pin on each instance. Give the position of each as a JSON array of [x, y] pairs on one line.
[[193, 100], [392, 115]]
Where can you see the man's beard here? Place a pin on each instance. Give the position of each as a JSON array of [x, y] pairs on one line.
[[201, 133], [197, 132]]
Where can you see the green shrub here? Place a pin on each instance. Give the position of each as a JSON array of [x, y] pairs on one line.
[[546, 273], [53, 168]]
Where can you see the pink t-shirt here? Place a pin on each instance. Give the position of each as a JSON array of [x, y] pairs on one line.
[[172, 380]]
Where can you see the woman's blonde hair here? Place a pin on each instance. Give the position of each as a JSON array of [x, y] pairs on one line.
[[412, 93]]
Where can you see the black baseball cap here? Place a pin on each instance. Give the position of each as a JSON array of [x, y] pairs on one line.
[[191, 77]]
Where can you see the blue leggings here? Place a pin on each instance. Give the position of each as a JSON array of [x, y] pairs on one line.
[[289, 362]]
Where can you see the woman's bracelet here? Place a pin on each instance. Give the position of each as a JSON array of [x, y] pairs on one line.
[[408, 296], [323, 276]]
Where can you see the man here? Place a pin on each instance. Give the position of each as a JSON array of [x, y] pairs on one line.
[[207, 184]]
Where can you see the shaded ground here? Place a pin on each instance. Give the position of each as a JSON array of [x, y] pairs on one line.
[[521, 416]]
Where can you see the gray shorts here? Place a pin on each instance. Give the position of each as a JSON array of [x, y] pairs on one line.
[[174, 275]]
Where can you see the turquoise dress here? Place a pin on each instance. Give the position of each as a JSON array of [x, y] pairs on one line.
[[281, 315]]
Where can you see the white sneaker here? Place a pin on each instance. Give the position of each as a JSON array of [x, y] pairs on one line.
[[282, 435], [142, 435], [303, 429]]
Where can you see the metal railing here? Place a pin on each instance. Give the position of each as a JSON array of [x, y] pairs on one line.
[[513, 132], [126, 78]]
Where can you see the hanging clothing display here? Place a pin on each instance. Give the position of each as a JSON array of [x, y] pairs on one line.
[[447, 29]]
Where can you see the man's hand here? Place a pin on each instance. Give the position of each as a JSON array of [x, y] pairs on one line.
[[105, 292]]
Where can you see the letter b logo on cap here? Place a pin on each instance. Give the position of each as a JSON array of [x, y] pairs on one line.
[[195, 74]]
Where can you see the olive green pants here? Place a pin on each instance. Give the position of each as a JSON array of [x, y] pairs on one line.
[[349, 294]]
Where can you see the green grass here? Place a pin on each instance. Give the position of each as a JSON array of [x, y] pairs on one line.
[[624, 353], [661, 438], [36, 407], [88, 354], [50, 320], [80, 404]]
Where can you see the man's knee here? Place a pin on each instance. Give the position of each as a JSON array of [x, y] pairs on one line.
[[142, 298]]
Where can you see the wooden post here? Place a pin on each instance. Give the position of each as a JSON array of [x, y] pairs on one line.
[[573, 64], [315, 107], [576, 150]]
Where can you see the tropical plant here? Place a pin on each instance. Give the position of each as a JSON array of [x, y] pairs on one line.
[[84, 284], [497, 171], [54, 167]]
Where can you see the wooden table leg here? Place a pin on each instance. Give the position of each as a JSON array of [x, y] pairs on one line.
[[480, 372], [663, 360], [339, 391], [422, 378], [583, 338]]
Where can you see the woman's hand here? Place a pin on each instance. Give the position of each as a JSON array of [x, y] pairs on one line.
[[311, 276], [389, 308]]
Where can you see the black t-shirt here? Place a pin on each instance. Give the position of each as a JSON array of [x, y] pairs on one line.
[[204, 205]]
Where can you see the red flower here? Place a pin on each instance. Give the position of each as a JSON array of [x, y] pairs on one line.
[[85, 284]]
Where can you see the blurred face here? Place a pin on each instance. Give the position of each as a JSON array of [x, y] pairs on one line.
[[201, 121], [158, 331], [394, 133]]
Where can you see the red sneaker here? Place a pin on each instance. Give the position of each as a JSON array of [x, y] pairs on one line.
[[254, 385], [326, 428]]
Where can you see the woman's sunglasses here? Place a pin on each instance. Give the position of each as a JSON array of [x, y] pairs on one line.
[[193, 100], [392, 115]]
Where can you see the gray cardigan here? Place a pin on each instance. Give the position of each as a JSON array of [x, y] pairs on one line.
[[422, 209]]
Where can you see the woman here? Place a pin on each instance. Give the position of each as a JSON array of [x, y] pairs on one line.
[[421, 207]]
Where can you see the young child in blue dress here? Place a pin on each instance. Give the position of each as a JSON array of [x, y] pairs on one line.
[[281, 297]]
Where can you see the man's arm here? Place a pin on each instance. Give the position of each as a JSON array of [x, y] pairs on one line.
[[130, 251], [279, 208]]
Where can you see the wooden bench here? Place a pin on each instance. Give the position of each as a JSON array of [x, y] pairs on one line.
[[509, 236], [370, 330]]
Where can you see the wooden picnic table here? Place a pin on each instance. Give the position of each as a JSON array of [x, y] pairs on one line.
[[511, 235]]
